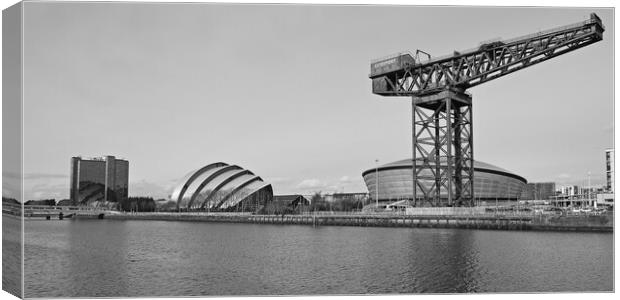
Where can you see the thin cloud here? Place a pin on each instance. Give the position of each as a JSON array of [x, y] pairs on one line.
[[12, 175], [46, 191], [277, 179], [31, 176], [311, 183], [564, 176], [149, 189]]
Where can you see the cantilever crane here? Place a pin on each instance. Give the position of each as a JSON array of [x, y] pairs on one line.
[[442, 116]]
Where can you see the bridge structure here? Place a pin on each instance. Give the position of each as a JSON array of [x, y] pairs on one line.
[[442, 108]]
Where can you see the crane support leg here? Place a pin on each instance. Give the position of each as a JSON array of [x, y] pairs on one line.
[[443, 156]]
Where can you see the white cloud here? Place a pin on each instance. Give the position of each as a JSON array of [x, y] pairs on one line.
[[45, 190], [9, 193], [564, 176], [277, 179], [37, 176], [150, 189], [311, 183]]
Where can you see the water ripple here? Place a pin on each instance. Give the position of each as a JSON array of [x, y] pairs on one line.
[[156, 258]]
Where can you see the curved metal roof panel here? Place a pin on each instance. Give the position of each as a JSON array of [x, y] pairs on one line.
[[220, 184], [179, 191]]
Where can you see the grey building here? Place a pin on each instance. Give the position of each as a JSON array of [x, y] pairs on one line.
[[395, 182], [609, 159], [98, 179], [290, 200], [538, 191]]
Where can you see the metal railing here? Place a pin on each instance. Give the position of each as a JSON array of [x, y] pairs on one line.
[[481, 211], [52, 207], [190, 214], [390, 56]]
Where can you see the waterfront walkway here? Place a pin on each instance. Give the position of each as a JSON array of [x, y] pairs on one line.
[[424, 217], [589, 223]]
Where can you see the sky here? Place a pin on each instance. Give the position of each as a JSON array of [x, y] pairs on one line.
[[283, 90]]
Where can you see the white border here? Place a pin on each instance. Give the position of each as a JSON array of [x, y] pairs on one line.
[[510, 3]]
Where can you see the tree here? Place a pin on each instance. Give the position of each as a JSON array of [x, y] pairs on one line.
[[139, 204], [318, 203], [46, 202], [168, 206]]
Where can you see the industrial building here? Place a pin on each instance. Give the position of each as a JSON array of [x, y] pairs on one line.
[[222, 187], [98, 179], [395, 182]]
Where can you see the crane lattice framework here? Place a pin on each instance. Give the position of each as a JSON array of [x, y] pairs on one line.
[[442, 133]]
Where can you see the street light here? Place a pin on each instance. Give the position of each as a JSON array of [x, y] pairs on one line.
[[376, 184], [589, 189]]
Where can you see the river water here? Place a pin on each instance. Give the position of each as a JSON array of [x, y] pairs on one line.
[[89, 258]]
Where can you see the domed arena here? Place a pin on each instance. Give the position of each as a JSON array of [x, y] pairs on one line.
[[222, 187], [490, 182]]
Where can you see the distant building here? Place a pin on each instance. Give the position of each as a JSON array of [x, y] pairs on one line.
[[569, 190], [290, 200], [222, 187], [98, 179], [64, 202], [393, 182], [538, 191], [605, 200], [609, 158], [363, 197]]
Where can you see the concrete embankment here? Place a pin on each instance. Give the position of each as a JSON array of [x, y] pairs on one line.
[[594, 223], [440, 221]]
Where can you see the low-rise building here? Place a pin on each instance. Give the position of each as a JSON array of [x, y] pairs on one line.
[[569, 190], [290, 200], [605, 200]]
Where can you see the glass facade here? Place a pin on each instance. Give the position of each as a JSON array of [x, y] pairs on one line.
[[104, 179]]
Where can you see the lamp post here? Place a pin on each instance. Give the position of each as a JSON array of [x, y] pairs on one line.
[[376, 183], [589, 189]]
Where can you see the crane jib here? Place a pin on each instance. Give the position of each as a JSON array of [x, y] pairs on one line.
[[404, 75]]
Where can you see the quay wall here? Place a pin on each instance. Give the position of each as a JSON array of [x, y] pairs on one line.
[[421, 221]]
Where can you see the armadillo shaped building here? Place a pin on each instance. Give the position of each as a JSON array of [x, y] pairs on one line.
[[223, 187]]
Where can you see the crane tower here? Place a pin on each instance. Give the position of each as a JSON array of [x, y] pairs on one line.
[[442, 154]]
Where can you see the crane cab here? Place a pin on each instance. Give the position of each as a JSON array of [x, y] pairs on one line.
[[391, 63], [385, 65]]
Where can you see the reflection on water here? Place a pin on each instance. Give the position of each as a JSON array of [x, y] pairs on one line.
[[12, 254], [88, 258]]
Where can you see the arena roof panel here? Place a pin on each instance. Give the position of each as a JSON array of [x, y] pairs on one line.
[[478, 165]]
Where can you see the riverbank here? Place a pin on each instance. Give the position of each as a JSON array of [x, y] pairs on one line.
[[602, 223]]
